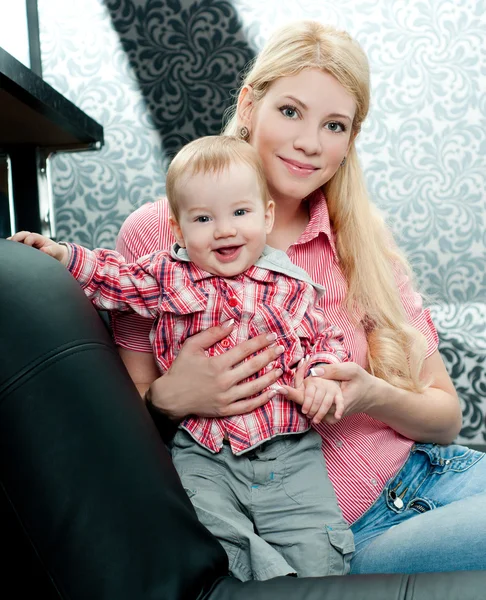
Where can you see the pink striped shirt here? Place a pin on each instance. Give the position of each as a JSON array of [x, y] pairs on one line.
[[361, 452]]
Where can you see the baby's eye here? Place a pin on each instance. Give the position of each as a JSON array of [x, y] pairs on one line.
[[202, 219], [336, 126], [289, 111], [240, 212]]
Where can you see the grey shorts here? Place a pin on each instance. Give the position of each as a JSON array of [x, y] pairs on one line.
[[273, 508]]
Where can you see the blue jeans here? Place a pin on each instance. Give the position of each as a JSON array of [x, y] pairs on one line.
[[430, 517]]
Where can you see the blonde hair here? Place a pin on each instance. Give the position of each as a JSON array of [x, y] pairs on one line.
[[211, 154], [396, 350]]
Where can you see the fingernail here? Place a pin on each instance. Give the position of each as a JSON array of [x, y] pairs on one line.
[[307, 357], [229, 323], [278, 373], [279, 349], [271, 336], [301, 362], [281, 390], [316, 371], [272, 394]]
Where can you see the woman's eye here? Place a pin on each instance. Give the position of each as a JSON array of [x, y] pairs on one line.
[[335, 126], [240, 212], [289, 111], [202, 219]]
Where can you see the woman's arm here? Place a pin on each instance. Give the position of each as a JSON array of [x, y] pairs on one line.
[[141, 367], [431, 416]]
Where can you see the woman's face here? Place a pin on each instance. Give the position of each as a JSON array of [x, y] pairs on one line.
[[302, 130]]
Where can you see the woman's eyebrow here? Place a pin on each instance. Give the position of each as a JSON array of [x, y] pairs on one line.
[[297, 101], [331, 116]]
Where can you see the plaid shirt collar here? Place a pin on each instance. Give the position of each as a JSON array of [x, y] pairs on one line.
[[271, 263]]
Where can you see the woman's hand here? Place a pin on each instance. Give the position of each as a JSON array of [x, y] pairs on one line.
[[211, 386], [357, 388]]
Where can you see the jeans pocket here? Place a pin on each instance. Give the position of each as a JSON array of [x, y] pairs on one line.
[[452, 457], [341, 540]]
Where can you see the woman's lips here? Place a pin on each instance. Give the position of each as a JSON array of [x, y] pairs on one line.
[[228, 254], [299, 169]]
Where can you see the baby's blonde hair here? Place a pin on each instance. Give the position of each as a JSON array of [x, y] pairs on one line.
[[396, 350], [211, 154]]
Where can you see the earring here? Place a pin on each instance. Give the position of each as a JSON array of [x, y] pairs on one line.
[[343, 162], [244, 133]]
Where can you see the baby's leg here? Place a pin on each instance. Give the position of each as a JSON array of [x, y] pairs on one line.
[[295, 508], [219, 489]]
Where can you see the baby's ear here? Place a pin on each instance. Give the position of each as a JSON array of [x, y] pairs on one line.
[[176, 231]]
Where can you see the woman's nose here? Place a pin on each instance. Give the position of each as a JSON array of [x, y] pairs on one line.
[[308, 140]]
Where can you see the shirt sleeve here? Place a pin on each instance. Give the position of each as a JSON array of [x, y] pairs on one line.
[[327, 346], [145, 231], [418, 316], [112, 284]]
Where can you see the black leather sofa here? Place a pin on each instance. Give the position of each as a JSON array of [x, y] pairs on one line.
[[91, 507]]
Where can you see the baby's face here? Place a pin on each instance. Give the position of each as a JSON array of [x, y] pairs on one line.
[[223, 222]]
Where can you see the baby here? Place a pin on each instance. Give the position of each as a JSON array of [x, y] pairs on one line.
[[258, 481]]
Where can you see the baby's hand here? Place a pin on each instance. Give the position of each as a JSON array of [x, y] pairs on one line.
[[42, 243], [319, 396]]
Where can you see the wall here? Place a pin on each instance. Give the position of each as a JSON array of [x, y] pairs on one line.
[[14, 36], [159, 73]]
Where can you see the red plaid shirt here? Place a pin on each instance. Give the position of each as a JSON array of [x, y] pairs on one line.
[[272, 296]]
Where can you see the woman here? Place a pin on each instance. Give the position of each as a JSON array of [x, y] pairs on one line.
[[413, 499]]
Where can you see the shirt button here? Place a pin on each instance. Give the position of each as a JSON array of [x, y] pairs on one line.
[[373, 481], [338, 443], [233, 301], [226, 343]]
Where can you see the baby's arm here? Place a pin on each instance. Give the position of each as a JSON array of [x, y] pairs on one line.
[[323, 344], [321, 394], [108, 281], [321, 341], [42, 243]]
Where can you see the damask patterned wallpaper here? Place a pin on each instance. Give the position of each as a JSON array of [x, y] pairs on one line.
[[157, 73]]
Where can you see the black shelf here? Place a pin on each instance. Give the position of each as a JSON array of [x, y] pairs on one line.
[[34, 113], [35, 121]]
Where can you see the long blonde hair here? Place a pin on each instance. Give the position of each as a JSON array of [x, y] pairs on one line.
[[396, 350]]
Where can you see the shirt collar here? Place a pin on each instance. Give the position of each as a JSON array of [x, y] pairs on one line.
[[179, 254], [319, 221], [267, 268]]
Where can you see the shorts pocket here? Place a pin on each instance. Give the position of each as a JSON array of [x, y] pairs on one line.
[[305, 478], [341, 540]]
